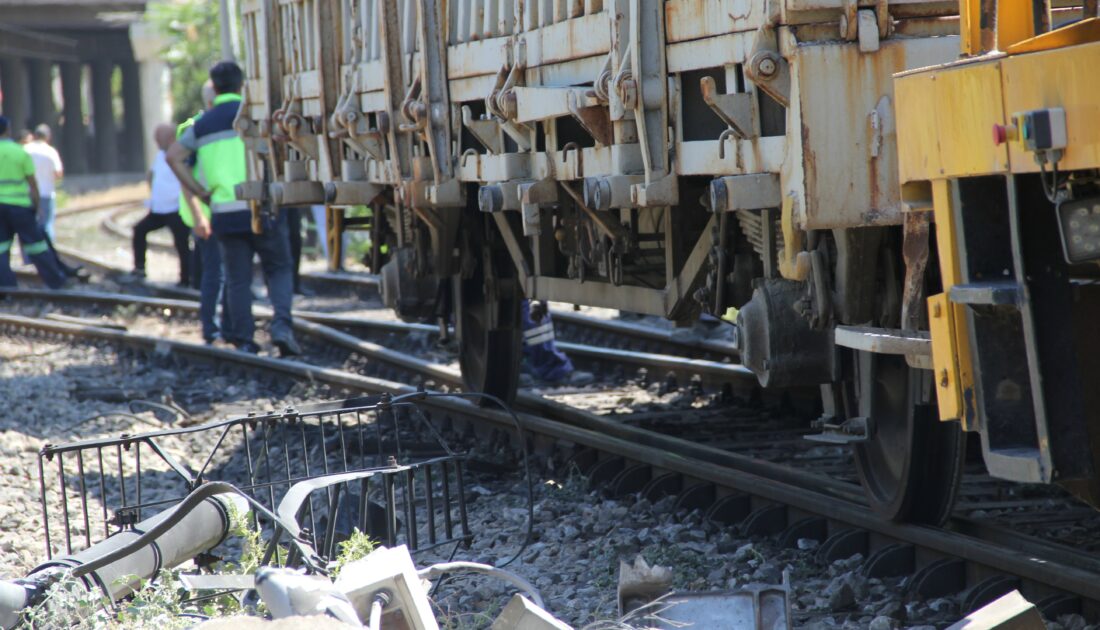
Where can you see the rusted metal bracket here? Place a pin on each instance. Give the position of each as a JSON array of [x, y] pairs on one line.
[[486, 131], [915, 251], [767, 69], [591, 115], [736, 110]]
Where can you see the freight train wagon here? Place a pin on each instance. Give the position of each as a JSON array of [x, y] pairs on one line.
[[668, 157]]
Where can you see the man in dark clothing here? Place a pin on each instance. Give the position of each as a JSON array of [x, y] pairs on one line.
[[221, 163]]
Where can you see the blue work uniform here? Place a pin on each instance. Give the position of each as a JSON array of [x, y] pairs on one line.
[[209, 258], [540, 354], [17, 217]]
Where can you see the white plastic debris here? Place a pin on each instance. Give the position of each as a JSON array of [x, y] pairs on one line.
[[288, 593]]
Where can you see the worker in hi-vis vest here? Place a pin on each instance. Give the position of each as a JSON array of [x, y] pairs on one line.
[[221, 165], [206, 264], [18, 204]]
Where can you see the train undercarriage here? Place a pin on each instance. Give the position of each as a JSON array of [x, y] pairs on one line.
[[670, 158]]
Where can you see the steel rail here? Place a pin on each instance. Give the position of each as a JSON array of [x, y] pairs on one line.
[[1071, 572], [324, 325]]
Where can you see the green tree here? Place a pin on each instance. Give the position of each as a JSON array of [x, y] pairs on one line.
[[191, 30]]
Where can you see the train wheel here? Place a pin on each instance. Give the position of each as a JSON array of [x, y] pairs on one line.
[[487, 318], [911, 466]]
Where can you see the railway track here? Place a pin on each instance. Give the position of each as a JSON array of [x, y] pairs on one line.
[[363, 336], [981, 557]]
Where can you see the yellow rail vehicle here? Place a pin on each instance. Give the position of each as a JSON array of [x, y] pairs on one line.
[[1001, 151]]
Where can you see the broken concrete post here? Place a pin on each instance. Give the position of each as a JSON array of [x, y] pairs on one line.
[[388, 577], [1010, 612], [522, 614]]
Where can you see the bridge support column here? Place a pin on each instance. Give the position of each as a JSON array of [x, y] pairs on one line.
[[43, 108], [73, 133], [148, 44], [13, 82], [132, 147], [106, 146]]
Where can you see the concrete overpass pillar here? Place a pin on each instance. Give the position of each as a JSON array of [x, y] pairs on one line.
[[13, 83], [43, 109], [155, 96], [73, 133], [133, 149], [105, 147]]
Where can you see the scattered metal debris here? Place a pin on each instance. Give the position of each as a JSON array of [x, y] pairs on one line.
[[522, 614], [1008, 612], [410, 475], [645, 588]]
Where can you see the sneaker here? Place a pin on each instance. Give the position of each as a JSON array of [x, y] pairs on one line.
[[287, 346], [580, 378], [136, 275], [80, 273], [248, 346]]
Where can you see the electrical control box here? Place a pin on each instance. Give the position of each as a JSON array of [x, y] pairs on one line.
[[1042, 129]]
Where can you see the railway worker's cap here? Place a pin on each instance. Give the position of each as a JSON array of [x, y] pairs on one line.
[[4, 125], [227, 77]]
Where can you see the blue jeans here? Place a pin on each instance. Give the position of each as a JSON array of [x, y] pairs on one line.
[[211, 289], [47, 212], [20, 221], [237, 250]]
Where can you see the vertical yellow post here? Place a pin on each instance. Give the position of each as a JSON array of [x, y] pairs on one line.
[[951, 358], [970, 27], [1015, 22], [334, 234]]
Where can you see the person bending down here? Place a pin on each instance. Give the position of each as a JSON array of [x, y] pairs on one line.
[[163, 207]]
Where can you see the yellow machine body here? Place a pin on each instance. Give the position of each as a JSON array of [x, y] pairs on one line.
[[961, 126]]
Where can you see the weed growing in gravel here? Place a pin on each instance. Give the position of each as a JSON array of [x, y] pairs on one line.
[[469, 620], [646, 617], [357, 546]]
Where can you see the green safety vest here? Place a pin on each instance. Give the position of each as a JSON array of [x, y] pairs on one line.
[[185, 213], [15, 166], [222, 160]]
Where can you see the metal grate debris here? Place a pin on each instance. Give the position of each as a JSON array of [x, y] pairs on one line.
[[412, 495]]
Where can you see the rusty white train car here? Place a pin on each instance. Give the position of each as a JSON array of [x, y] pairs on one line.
[[668, 157]]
